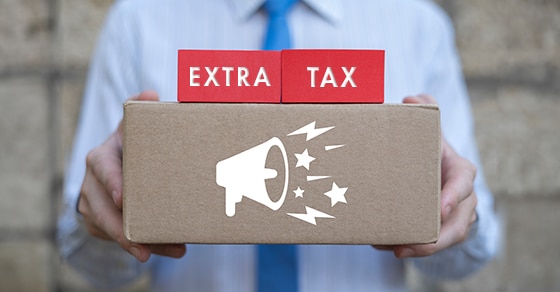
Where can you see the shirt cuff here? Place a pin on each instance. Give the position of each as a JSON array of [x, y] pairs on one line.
[[463, 259]]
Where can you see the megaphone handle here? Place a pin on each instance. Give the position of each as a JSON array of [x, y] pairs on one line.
[[232, 198]]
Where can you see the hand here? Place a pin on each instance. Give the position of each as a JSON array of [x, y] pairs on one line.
[[100, 200], [458, 200]]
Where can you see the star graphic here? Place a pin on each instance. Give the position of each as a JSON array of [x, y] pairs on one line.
[[304, 159], [299, 192], [336, 194]]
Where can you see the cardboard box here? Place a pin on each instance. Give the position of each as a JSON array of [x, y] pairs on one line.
[[281, 173]]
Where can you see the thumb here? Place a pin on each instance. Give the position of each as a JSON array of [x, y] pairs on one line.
[[420, 99], [146, 95]]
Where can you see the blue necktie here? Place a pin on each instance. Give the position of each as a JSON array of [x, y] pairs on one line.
[[277, 263], [277, 33]]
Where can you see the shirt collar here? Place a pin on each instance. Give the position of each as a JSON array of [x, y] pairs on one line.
[[243, 9], [331, 10]]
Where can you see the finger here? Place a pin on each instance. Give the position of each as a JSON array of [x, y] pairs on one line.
[[105, 219], [170, 250], [454, 231], [105, 163], [85, 211], [457, 173], [458, 176], [101, 217], [91, 187]]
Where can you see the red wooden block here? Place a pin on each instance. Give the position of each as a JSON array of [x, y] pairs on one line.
[[333, 76], [229, 76]]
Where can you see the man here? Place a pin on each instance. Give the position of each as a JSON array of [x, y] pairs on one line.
[[137, 51]]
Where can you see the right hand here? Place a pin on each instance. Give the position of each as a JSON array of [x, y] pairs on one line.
[[100, 201]]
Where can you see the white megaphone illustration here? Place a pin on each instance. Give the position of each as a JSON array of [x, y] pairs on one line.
[[244, 174]]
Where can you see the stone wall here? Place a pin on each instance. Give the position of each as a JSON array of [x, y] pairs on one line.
[[511, 56]]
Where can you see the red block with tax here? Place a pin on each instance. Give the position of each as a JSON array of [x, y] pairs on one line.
[[333, 76], [290, 76]]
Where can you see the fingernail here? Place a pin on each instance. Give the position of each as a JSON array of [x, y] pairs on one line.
[[114, 194], [175, 250], [136, 252], [406, 252]]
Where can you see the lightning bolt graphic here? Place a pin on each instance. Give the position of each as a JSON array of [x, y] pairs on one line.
[[310, 131], [316, 177], [310, 215], [332, 147]]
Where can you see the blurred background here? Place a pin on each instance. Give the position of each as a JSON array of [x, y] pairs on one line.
[[511, 56]]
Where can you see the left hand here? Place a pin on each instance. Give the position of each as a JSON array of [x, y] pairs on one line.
[[458, 199], [100, 202]]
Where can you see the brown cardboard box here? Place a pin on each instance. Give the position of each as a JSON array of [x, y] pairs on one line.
[[281, 173]]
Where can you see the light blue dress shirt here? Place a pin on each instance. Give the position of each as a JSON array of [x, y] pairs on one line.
[[137, 50]]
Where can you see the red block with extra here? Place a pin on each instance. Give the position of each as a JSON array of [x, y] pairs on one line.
[[229, 76], [333, 76]]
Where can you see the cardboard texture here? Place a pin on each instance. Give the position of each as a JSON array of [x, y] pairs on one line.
[[281, 173]]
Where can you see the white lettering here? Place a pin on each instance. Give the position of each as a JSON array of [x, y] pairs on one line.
[[214, 76], [211, 76], [242, 74], [261, 77], [328, 78], [313, 70], [228, 71], [194, 76], [348, 77]]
